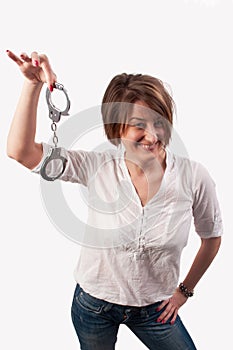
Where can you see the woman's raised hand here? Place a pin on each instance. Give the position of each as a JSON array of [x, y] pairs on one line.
[[35, 68]]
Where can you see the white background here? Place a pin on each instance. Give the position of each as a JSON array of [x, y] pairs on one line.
[[187, 44]]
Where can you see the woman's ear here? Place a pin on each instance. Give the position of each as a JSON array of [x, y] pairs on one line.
[[123, 129], [121, 133]]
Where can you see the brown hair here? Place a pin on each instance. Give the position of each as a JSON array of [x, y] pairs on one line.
[[130, 88]]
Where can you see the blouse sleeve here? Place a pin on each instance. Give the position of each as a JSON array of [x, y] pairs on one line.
[[79, 168], [206, 211]]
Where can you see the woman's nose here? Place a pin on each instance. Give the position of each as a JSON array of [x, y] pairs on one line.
[[150, 135]]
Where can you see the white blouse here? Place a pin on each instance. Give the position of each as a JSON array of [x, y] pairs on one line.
[[130, 254]]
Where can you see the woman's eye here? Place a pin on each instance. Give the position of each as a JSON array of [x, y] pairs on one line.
[[140, 125], [158, 124]]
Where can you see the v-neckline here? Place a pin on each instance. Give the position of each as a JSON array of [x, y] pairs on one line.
[[126, 171]]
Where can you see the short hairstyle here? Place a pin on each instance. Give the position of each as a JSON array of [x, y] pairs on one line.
[[129, 88]]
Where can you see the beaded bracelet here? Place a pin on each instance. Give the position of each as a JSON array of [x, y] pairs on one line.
[[184, 290]]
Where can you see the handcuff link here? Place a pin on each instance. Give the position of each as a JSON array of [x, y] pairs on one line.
[[55, 152]]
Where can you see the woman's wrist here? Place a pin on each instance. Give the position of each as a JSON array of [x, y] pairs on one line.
[[32, 89], [33, 84], [185, 290]]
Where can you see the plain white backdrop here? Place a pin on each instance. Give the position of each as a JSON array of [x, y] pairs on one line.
[[187, 44]]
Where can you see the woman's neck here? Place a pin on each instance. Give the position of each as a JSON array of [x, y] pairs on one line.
[[139, 168]]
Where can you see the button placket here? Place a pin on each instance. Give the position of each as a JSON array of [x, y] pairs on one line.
[[142, 239]]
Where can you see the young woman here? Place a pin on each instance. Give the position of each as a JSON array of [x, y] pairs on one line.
[[151, 196]]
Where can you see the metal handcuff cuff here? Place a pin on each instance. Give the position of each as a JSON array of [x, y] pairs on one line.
[[55, 152]]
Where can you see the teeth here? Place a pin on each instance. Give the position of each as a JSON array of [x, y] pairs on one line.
[[147, 147]]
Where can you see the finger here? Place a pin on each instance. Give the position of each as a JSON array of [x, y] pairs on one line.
[[165, 315], [35, 59], [168, 315], [174, 317], [25, 57], [49, 74], [164, 303], [15, 58]]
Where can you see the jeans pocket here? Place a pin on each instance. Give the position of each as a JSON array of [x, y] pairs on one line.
[[89, 303]]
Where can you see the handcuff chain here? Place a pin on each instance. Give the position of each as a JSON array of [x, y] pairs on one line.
[[55, 137]]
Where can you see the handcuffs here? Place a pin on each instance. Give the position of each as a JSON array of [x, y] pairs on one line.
[[55, 152]]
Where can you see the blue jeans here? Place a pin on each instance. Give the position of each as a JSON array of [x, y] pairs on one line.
[[97, 322]]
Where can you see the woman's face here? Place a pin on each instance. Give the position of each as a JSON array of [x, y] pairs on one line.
[[144, 136]]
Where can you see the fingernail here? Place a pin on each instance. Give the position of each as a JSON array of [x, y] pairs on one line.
[[163, 321], [172, 322], [51, 88], [157, 309], [158, 320], [7, 50], [36, 63]]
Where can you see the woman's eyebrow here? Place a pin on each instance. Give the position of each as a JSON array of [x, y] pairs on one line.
[[136, 118]]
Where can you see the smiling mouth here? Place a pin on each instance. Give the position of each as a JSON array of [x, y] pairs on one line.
[[147, 147]]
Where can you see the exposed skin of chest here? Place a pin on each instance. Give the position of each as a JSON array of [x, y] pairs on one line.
[[145, 187]]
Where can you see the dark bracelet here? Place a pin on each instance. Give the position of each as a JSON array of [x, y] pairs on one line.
[[184, 290]]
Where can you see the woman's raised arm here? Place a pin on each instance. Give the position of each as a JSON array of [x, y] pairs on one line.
[[21, 144]]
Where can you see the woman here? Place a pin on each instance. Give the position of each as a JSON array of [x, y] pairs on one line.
[[134, 280]]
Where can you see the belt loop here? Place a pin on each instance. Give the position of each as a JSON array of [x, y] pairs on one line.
[[144, 312], [108, 307]]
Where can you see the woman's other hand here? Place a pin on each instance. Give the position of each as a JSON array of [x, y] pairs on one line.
[[171, 307]]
